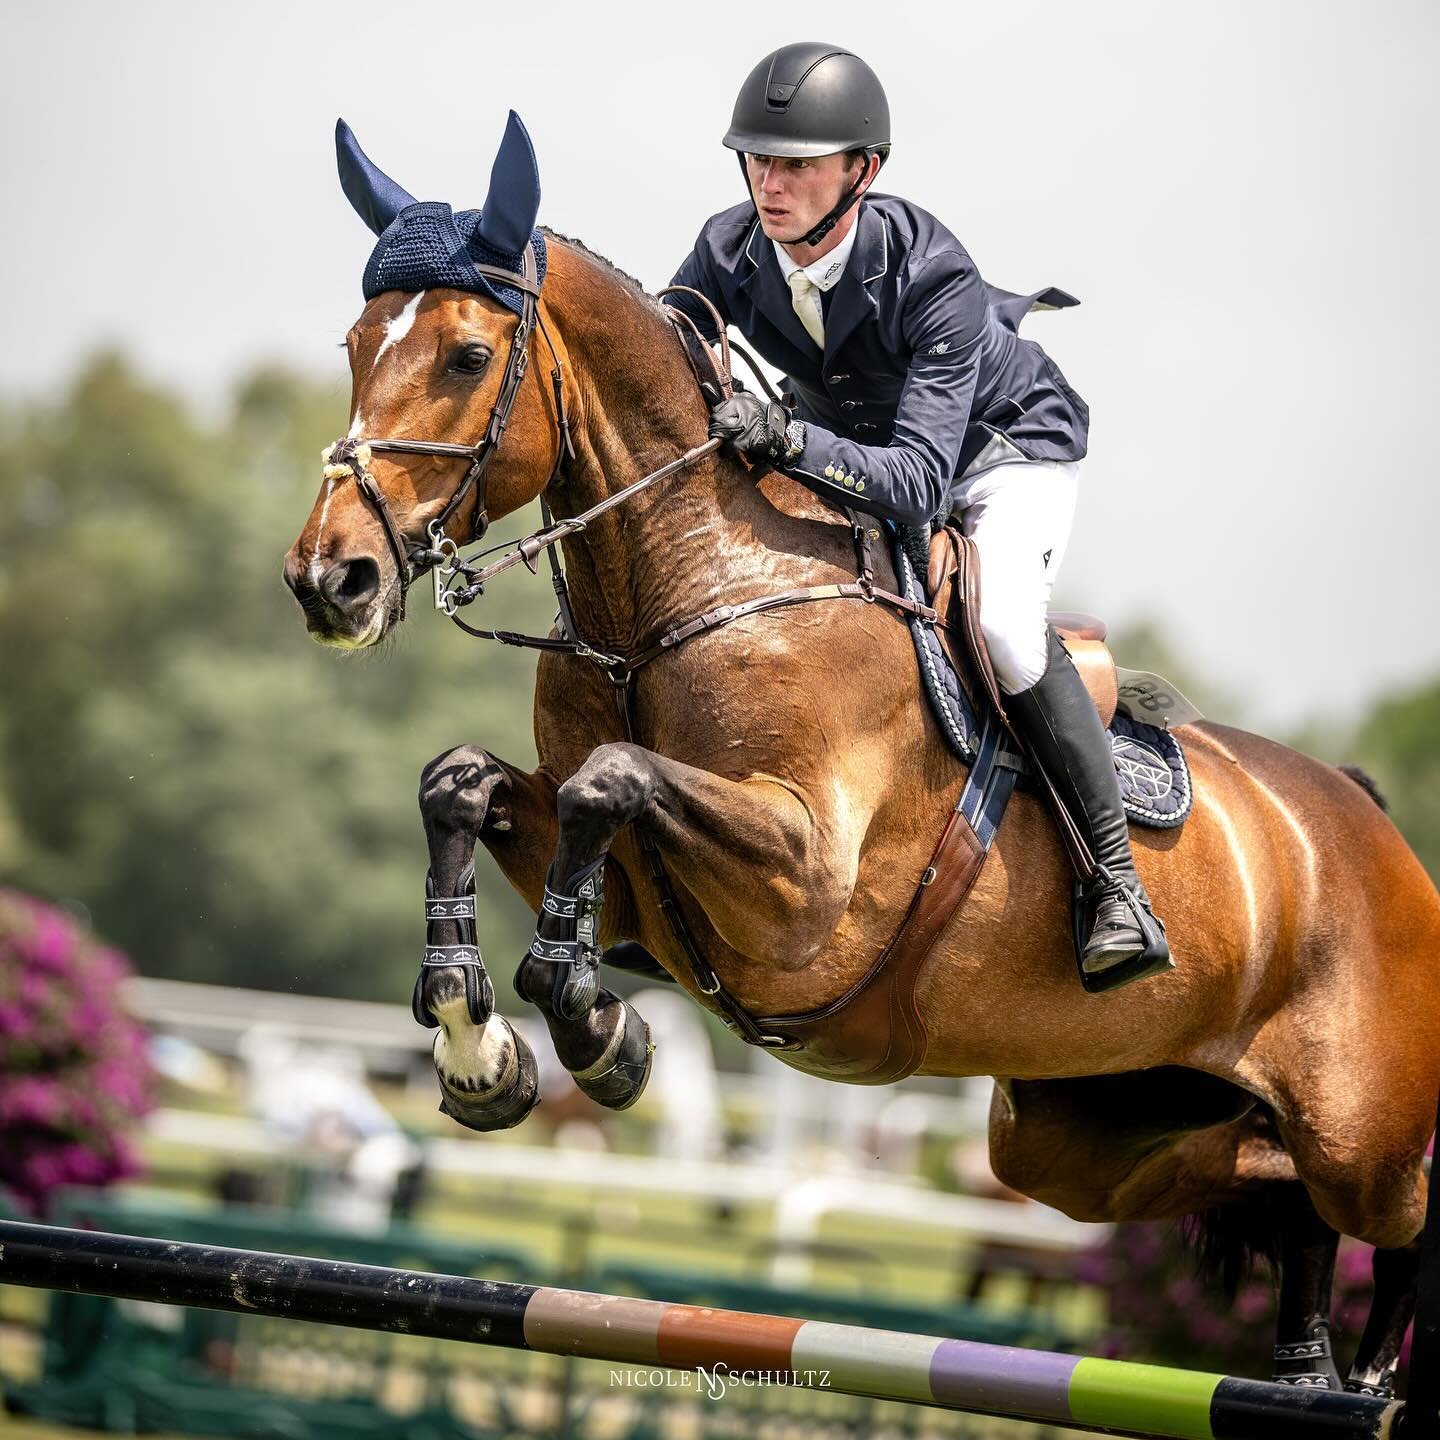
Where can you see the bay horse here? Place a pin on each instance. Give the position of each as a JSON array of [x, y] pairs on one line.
[[779, 782]]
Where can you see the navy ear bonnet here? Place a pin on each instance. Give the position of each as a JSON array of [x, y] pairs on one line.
[[425, 245]]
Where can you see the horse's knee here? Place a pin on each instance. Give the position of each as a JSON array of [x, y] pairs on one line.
[[613, 786], [456, 788]]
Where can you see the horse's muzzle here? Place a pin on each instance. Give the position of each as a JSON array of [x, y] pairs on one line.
[[339, 600]]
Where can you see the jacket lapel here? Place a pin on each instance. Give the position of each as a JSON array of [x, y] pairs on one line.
[[854, 298], [769, 294]]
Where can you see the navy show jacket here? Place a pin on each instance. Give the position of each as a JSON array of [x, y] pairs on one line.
[[922, 363]]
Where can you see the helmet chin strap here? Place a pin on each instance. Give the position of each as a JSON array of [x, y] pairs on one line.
[[845, 202], [830, 221]]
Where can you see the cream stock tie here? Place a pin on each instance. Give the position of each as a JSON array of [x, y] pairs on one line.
[[805, 301]]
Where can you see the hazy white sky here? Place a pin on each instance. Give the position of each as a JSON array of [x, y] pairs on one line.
[[1242, 194]]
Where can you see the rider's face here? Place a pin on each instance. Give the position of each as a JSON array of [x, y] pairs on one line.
[[794, 195]]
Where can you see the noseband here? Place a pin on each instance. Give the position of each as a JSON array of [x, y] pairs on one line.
[[350, 456]]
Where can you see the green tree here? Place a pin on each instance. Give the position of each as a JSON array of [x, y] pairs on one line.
[[227, 801], [1398, 743]]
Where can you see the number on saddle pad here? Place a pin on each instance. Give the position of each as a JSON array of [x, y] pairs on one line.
[[1153, 700]]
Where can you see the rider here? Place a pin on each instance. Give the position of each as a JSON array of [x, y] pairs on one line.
[[916, 398]]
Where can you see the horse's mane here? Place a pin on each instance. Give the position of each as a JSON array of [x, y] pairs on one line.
[[623, 276], [787, 495]]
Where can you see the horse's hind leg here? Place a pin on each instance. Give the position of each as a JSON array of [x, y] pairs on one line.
[[1306, 1263], [1170, 1142], [1397, 1274], [487, 1073], [1356, 1131]]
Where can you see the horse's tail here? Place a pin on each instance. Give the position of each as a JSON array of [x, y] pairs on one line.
[[1228, 1239], [1367, 784]]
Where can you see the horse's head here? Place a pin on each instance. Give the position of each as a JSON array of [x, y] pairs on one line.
[[437, 361]]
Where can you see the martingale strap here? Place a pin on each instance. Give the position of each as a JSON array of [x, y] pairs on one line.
[[883, 1001]]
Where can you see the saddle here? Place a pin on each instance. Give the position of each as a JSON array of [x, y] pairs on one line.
[[952, 588]]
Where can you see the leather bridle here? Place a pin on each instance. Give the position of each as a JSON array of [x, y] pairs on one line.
[[350, 455]]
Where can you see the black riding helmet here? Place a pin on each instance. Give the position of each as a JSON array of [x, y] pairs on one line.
[[812, 99]]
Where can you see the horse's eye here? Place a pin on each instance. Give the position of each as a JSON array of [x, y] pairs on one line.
[[470, 359]]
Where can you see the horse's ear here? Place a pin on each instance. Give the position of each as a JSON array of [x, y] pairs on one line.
[[376, 197], [514, 199]]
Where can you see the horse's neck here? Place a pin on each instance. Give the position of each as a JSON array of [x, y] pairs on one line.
[[679, 546]]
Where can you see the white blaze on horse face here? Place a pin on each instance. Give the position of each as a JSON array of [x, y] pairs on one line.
[[396, 329], [399, 326], [315, 567]]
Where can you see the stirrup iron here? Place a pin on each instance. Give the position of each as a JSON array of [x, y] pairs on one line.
[[1152, 959]]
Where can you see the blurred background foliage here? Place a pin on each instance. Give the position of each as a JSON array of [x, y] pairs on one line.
[[181, 766], [179, 763]]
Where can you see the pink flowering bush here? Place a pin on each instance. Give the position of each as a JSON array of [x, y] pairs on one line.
[[73, 1067], [1162, 1313]]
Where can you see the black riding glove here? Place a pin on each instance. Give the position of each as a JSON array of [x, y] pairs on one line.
[[761, 430]]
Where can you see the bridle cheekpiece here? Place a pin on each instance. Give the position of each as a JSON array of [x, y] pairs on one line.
[[351, 455]]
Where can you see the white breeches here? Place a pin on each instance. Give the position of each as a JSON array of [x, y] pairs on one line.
[[1020, 516]]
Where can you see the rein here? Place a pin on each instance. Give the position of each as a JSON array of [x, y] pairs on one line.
[[459, 582]]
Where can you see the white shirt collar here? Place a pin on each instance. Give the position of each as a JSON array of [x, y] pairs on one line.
[[825, 272]]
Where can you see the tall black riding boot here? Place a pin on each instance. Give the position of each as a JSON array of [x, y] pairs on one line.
[[1058, 721]]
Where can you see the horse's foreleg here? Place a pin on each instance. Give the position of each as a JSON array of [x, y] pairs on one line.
[[1307, 1274], [487, 1073], [772, 866], [599, 1037], [728, 833]]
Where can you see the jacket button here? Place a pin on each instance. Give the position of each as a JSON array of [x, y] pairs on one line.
[[836, 379], [849, 481], [829, 472], [859, 485]]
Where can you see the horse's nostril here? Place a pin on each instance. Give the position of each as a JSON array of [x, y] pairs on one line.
[[294, 577], [351, 584]]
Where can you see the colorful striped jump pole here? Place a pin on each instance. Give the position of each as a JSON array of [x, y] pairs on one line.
[[1104, 1395]]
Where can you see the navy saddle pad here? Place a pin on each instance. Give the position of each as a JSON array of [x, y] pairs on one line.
[[1153, 772]]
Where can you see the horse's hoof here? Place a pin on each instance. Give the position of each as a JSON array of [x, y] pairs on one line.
[[618, 1078], [488, 1078]]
